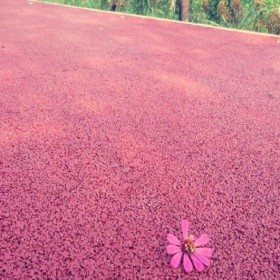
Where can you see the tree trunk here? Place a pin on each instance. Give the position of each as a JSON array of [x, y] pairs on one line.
[[114, 5], [184, 10]]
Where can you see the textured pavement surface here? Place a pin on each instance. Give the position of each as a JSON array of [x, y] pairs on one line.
[[114, 128]]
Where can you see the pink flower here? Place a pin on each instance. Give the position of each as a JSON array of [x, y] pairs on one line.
[[193, 254]]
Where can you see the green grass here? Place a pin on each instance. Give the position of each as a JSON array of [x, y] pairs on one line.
[[252, 17], [81, 3], [141, 7]]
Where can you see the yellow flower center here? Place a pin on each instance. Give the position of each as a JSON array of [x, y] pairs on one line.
[[189, 246]]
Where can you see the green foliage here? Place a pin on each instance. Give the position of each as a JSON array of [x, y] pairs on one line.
[[212, 10], [197, 13], [95, 4], [251, 17], [261, 15], [155, 8], [257, 15], [272, 4]]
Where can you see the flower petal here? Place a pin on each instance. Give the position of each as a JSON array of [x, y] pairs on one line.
[[188, 266], [185, 229], [202, 240], [197, 263], [172, 249], [206, 252], [176, 259], [173, 239], [203, 259]]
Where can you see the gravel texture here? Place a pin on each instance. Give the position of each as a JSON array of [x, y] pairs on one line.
[[114, 128]]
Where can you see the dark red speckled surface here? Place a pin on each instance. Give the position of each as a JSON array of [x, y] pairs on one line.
[[113, 129]]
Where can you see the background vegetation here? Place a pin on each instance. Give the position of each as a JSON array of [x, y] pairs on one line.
[[255, 15]]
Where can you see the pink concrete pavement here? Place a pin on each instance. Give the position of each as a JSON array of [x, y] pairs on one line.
[[113, 129]]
